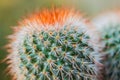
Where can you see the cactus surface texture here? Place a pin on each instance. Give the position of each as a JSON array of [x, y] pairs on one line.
[[52, 45], [109, 27]]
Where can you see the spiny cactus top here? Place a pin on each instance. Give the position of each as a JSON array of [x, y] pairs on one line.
[[109, 26], [52, 45]]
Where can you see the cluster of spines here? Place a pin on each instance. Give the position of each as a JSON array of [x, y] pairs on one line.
[[62, 55]]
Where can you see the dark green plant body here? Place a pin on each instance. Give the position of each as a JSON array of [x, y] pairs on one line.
[[57, 55]]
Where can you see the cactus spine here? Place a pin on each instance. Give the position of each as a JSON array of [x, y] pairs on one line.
[[109, 27], [52, 45]]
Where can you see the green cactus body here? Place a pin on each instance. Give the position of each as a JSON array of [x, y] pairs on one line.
[[111, 38], [52, 53], [109, 27]]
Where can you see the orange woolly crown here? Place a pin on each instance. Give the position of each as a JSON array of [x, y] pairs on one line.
[[51, 16]]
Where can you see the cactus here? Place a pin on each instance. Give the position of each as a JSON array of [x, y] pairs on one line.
[[52, 45], [109, 27]]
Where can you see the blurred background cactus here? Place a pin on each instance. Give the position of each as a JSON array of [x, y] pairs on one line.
[[108, 24], [112, 50], [11, 11]]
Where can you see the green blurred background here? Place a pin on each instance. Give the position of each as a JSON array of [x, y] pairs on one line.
[[12, 11]]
